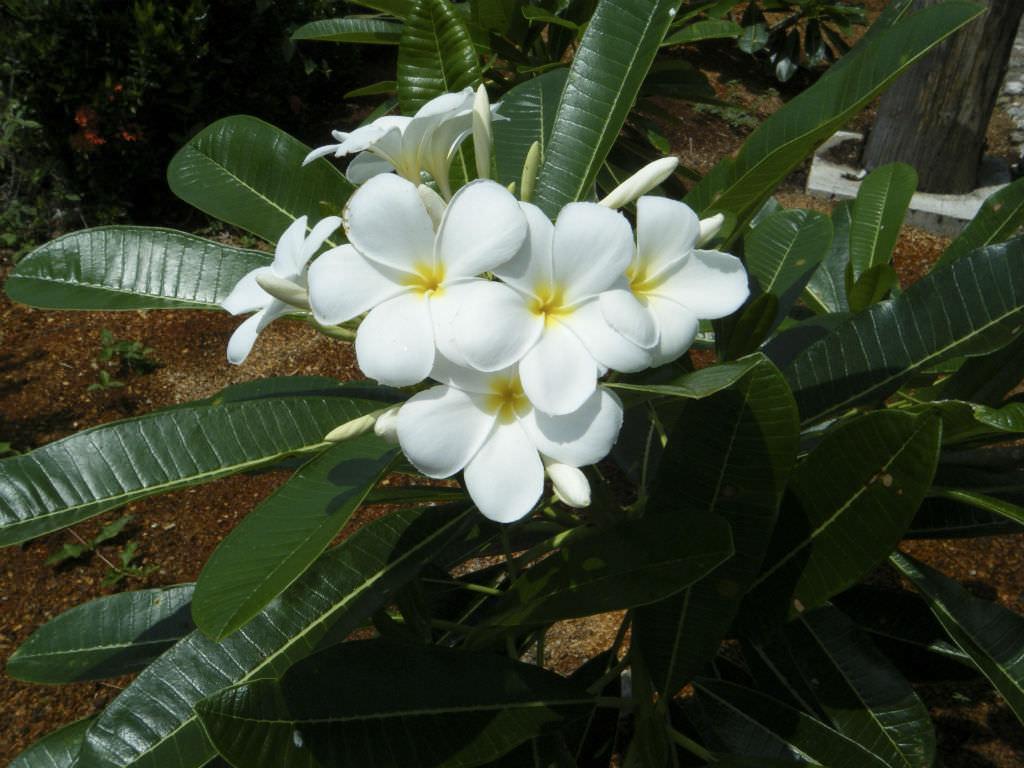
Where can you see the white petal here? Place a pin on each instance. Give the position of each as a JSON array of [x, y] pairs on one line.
[[570, 484], [582, 437], [441, 429], [677, 328], [289, 245], [558, 373], [466, 379], [365, 166], [641, 182], [393, 148], [395, 342], [482, 228], [629, 317], [666, 230], [610, 348], [342, 284], [447, 104], [506, 477], [710, 283], [531, 266], [444, 307], [592, 247], [247, 296], [709, 228], [387, 223], [241, 341], [494, 327], [323, 230], [327, 149]]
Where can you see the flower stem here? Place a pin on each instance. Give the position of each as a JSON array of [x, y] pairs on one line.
[[690, 745]]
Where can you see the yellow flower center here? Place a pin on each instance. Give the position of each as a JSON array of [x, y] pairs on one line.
[[549, 302], [506, 399], [640, 282], [426, 279]]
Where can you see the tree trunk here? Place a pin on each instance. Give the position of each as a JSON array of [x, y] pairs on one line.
[[935, 116]]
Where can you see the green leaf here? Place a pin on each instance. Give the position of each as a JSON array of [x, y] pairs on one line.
[[438, 707], [533, 13], [398, 8], [607, 71], [972, 307], [998, 219], [1009, 510], [987, 632], [826, 290], [740, 185], [106, 637], [710, 29], [530, 109], [350, 30], [102, 468], [873, 286], [729, 455], [375, 89], [152, 724], [57, 749], [753, 725], [435, 56], [786, 246], [130, 268], [878, 212], [246, 172], [696, 384], [276, 542], [985, 380], [829, 535]]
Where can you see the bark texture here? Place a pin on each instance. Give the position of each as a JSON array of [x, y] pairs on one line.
[[935, 116]]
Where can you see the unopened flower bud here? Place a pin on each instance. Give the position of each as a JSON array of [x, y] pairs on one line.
[[434, 204], [483, 135], [571, 486], [641, 182], [709, 228], [285, 290], [530, 168], [350, 429], [386, 427]]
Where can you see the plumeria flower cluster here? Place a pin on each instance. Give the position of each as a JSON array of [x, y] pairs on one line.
[[515, 318]]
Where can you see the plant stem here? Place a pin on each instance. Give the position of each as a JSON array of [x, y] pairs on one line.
[[690, 745], [468, 586]]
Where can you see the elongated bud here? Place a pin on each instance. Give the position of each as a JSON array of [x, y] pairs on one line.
[[641, 182], [571, 486], [483, 135], [709, 228], [285, 290], [350, 429], [434, 204], [530, 168], [386, 427]]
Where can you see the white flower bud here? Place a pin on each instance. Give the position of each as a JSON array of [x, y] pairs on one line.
[[354, 428], [482, 133], [571, 486], [282, 289], [386, 427], [530, 169], [641, 182], [434, 204], [709, 228]]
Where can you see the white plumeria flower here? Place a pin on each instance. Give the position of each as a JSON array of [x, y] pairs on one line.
[[427, 141], [676, 283], [484, 424], [547, 312], [410, 278], [293, 252]]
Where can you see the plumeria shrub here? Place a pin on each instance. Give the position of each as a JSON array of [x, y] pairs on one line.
[[531, 341]]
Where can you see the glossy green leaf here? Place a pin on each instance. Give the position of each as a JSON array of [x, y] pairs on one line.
[[106, 637], [55, 750], [789, 136], [709, 29], [878, 212], [967, 422], [530, 109], [152, 724], [998, 219], [276, 542], [785, 246], [987, 632], [985, 380], [130, 268], [829, 535], [872, 286], [435, 56], [696, 384], [1001, 507], [941, 517], [98, 469], [971, 307], [607, 71], [729, 455], [439, 708], [826, 290], [246, 172], [398, 8], [350, 30]]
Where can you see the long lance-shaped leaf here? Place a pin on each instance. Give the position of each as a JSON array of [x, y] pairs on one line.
[[130, 268], [971, 307], [1000, 217], [106, 637], [987, 632], [350, 30], [826, 290], [152, 724], [693, 385], [246, 172], [55, 750], [101, 468], [741, 185], [530, 109], [728, 455], [438, 707], [607, 71], [830, 535], [878, 212], [284, 535]]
